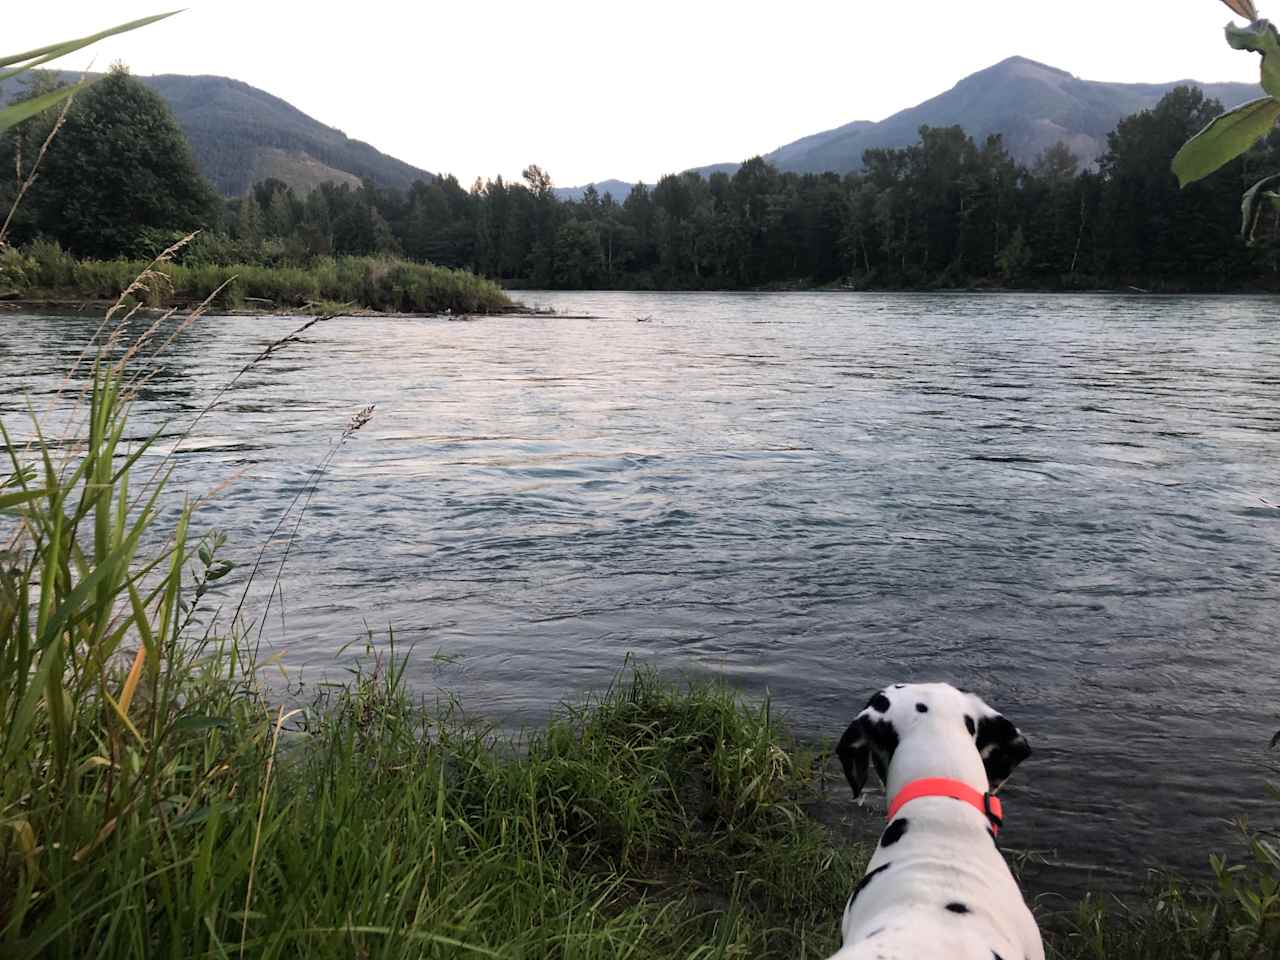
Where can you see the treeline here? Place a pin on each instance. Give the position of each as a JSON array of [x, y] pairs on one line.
[[944, 212]]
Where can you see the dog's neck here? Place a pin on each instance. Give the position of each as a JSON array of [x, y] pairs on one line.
[[935, 750]]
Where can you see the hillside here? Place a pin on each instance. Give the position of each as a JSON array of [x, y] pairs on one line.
[[240, 135], [1033, 105]]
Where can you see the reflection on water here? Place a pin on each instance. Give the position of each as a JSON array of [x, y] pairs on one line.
[[1064, 503]]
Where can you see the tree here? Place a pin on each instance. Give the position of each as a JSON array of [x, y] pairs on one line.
[[280, 219], [1056, 165], [249, 220], [118, 170], [1153, 228], [578, 261]]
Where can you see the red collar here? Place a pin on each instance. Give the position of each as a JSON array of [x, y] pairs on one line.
[[988, 804]]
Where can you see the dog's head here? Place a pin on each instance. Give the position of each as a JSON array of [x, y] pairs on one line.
[[894, 713]]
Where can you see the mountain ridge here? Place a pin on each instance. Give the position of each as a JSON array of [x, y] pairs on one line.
[[1033, 105], [241, 134]]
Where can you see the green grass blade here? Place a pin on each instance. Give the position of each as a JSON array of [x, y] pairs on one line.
[[54, 50], [13, 115], [10, 500]]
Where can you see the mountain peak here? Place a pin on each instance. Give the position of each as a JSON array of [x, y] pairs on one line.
[[1024, 66]]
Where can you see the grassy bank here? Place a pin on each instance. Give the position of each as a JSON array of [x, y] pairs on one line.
[[156, 800], [43, 271]]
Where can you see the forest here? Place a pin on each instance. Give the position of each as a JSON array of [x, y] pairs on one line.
[[945, 212]]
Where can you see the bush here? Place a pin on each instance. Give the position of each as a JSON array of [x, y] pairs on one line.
[[376, 283], [16, 271]]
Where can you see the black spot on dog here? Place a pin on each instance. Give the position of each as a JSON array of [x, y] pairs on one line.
[[969, 725], [956, 906], [898, 686], [862, 884], [996, 956], [874, 933], [921, 708], [893, 832], [879, 702]]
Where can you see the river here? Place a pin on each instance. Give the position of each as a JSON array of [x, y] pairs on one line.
[[1065, 503]]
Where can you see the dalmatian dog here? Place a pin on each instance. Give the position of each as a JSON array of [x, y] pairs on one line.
[[937, 887]]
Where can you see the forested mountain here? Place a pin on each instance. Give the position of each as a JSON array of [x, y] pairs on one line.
[[1031, 105], [241, 135]]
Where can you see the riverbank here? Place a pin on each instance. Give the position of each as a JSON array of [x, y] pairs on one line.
[[95, 308], [654, 820], [43, 274], [1156, 286]]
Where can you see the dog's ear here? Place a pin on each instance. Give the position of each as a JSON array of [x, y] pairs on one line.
[[872, 736], [854, 750], [1000, 744]]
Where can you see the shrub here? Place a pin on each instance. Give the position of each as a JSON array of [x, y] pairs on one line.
[[377, 283]]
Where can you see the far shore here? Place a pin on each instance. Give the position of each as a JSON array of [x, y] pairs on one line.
[[68, 307], [98, 307]]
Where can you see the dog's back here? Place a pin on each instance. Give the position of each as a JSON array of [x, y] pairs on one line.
[[904, 941]]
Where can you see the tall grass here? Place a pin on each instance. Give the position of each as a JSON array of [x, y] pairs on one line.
[[43, 270], [154, 801]]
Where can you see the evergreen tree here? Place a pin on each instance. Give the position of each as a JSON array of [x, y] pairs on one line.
[[119, 171], [279, 218], [249, 220]]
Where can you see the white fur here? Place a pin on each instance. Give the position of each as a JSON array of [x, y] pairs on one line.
[[946, 855]]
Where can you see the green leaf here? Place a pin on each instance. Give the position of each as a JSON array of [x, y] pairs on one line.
[[1250, 210], [219, 570], [1225, 138], [1260, 37]]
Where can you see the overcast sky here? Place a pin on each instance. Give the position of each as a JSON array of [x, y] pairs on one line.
[[605, 89]]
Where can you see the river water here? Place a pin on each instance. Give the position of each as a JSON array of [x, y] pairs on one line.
[[1065, 503]]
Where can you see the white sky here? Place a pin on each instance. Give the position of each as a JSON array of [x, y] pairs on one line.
[[603, 89]]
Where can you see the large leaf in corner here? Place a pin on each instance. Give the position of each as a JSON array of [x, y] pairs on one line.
[[1260, 37], [1224, 139]]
